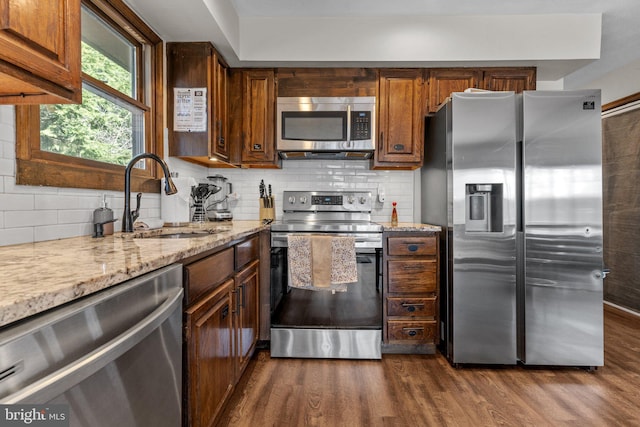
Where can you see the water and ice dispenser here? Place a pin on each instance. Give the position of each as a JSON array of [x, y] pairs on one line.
[[483, 208]]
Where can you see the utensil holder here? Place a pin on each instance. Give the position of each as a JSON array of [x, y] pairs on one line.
[[267, 210]]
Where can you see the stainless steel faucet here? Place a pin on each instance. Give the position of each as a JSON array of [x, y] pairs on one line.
[[169, 188]]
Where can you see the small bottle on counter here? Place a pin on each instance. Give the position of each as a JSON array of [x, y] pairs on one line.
[[394, 215]]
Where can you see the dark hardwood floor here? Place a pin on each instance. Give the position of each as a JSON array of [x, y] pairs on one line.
[[408, 390]]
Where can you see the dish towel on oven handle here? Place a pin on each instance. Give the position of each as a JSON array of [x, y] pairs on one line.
[[318, 262]]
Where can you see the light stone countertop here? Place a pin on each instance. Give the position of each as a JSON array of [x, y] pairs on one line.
[[38, 276], [408, 226]]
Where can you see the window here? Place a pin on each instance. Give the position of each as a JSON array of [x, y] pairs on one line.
[[87, 145]]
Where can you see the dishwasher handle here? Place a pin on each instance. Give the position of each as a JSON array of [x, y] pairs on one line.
[[60, 381]]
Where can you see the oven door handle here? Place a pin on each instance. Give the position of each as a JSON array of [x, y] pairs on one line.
[[281, 241]]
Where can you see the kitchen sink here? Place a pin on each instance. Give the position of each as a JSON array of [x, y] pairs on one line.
[[187, 235], [177, 235]]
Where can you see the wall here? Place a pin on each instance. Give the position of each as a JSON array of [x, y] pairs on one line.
[[32, 214], [615, 85], [322, 175]]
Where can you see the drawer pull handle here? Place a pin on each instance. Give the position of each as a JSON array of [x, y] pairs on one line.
[[412, 248], [412, 332], [412, 307]]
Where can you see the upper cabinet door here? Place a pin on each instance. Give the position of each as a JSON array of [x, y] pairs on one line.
[[220, 139], [258, 118], [509, 79], [40, 51], [400, 119], [444, 81]]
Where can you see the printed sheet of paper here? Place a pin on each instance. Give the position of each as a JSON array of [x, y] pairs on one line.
[[190, 109]]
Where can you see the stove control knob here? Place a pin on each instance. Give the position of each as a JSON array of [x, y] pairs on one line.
[[303, 200], [350, 200], [363, 200], [292, 200]]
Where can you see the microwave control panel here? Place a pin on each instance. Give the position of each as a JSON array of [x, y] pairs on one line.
[[360, 125]]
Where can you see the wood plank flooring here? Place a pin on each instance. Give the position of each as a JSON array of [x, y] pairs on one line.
[[419, 390]]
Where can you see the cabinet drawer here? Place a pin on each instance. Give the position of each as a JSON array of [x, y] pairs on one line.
[[411, 276], [412, 246], [247, 251], [414, 307], [205, 274], [411, 330]]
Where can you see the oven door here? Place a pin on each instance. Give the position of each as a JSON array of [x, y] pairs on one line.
[[322, 324]]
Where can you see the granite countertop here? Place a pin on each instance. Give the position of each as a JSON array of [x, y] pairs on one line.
[[38, 276], [409, 226]]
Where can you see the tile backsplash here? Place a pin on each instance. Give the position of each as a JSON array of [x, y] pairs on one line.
[[32, 214], [322, 175]]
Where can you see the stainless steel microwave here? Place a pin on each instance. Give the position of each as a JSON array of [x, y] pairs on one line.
[[331, 126]]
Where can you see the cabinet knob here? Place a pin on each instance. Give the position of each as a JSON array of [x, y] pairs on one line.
[[398, 147], [412, 332]]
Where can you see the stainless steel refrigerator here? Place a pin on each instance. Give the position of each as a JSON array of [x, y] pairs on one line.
[[515, 182]]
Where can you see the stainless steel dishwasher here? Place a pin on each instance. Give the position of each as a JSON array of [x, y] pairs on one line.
[[115, 357]]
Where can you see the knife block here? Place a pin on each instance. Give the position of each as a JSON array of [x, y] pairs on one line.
[[267, 213]]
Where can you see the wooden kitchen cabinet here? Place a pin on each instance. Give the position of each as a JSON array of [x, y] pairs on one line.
[[509, 79], [411, 277], [247, 326], [443, 81], [400, 119], [40, 52], [253, 117], [198, 65], [220, 110], [209, 328], [246, 301], [222, 294]]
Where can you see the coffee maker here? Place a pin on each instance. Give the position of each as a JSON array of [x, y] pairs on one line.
[[217, 204]]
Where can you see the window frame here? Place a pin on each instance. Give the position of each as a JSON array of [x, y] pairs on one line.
[[37, 167]]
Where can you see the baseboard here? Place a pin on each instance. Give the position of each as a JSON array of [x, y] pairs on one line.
[[625, 309]]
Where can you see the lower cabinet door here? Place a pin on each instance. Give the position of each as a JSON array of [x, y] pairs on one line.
[[210, 362], [247, 286]]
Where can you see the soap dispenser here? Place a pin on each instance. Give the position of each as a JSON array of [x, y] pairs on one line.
[[103, 220]]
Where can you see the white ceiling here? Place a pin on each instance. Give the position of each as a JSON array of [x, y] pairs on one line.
[[247, 32]]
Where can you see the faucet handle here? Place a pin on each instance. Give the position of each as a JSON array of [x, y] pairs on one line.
[[136, 213]]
